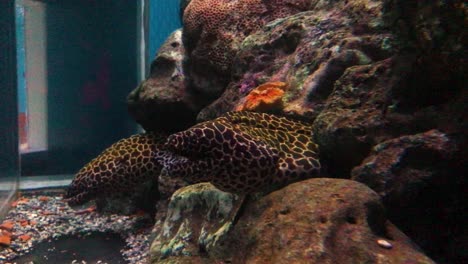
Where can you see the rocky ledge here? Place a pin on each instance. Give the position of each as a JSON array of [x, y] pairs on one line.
[[314, 221]]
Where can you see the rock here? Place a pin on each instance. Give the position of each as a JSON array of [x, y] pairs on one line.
[[400, 169], [25, 222], [309, 51], [384, 243], [43, 198], [24, 238], [5, 239], [168, 185], [416, 87], [353, 118], [162, 103], [183, 5], [364, 111], [7, 225], [198, 215], [20, 201], [214, 31], [313, 221], [424, 189]]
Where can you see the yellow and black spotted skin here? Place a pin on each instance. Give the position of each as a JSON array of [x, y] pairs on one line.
[[243, 152], [239, 152], [118, 170]]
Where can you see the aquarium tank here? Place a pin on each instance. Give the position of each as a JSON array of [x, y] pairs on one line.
[[222, 131]]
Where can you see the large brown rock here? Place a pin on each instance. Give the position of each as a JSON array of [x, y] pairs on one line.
[[399, 169], [314, 221], [309, 51], [421, 87], [353, 118], [214, 31], [368, 74], [162, 102], [424, 189]]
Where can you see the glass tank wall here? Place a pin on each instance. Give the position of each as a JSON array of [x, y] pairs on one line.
[[9, 163], [75, 62], [74, 77]]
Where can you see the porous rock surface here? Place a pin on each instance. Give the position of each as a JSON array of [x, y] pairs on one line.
[[366, 72], [197, 216], [313, 221], [214, 31], [309, 51], [382, 81], [419, 180], [162, 103], [394, 167]]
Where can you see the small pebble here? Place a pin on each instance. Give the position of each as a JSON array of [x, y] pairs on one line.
[[7, 225], [384, 243], [24, 238], [43, 198]]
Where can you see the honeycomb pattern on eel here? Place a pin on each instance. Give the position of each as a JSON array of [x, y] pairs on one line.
[[118, 170], [243, 152]]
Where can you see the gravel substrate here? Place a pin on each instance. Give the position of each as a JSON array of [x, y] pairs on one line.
[[45, 217]]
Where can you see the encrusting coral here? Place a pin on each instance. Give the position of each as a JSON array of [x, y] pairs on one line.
[[214, 31], [264, 98]]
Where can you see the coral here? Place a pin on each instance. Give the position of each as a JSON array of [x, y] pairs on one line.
[[313, 221], [309, 51], [264, 98], [368, 72], [214, 30]]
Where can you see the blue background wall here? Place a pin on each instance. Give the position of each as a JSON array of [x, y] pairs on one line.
[[21, 58], [164, 18]]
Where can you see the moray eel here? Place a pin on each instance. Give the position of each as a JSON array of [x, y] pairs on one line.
[[243, 152], [239, 152], [118, 170]]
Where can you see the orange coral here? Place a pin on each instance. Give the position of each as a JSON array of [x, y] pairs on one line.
[[265, 97]]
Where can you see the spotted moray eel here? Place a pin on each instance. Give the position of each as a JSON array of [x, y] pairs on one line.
[[118, 170], [239, 152], [243, 152]]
